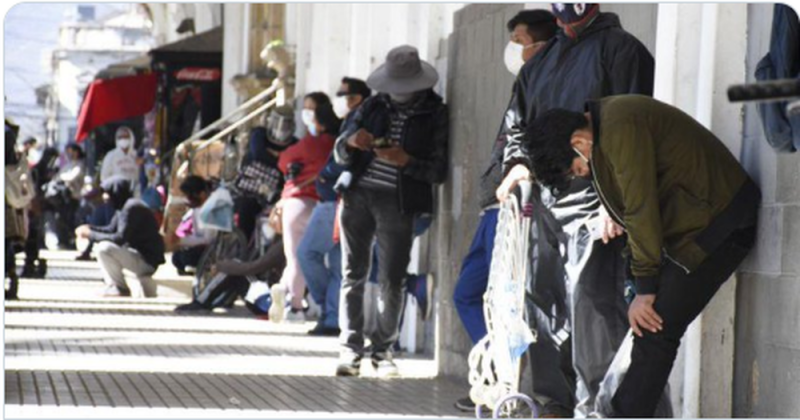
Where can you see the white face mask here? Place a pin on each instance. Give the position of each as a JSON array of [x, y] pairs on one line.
[[308, 117], [308, 120], [123, 144], [512, 57], [340, 107]]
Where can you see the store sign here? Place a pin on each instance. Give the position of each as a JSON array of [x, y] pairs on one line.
[[198, 74]]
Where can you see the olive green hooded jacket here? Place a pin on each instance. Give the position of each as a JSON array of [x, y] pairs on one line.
[[672, 184]]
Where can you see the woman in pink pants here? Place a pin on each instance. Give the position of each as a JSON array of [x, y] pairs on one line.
[[300, 165]]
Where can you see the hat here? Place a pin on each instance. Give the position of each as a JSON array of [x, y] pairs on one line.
[[351, 86], [573, 12], [403, 73]]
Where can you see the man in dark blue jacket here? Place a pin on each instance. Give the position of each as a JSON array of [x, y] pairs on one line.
[[396, 150]]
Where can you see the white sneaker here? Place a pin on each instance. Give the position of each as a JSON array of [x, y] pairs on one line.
[[292, 315], [313, 312], [276, 308]]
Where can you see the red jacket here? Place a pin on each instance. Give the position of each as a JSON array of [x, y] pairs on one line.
[[312, 152]]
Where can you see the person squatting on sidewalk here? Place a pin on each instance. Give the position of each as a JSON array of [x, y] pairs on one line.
[[396, 150], [688, 207], [529, 31], [579, 308], [324, 279], [130, 242]]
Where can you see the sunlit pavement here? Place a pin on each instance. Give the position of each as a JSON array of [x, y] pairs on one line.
[[72, 354]]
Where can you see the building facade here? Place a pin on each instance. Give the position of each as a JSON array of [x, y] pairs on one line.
[[86, 45]]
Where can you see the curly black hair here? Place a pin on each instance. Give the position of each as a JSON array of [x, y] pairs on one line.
[[547, 141]]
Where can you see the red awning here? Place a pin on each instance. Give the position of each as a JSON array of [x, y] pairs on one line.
[[116, 99]]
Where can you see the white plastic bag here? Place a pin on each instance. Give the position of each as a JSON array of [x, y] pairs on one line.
[[217, 212]]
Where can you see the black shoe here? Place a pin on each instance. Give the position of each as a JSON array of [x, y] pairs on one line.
[[193, 306], [86, 256], [323, 331], [466, 405], [41, 269], [29, 271], [349, 365]]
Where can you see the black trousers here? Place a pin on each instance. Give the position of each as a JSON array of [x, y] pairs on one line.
[[681, 298]]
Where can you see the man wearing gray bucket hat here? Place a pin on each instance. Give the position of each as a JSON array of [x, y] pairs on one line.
[[395, 148]]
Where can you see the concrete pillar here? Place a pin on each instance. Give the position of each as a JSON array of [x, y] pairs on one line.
[[234, 51]]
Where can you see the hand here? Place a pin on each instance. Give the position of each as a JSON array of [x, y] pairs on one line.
[[641, 315], [394, 155], [517, 174], [610, 228], [361, 140], [83, 231]]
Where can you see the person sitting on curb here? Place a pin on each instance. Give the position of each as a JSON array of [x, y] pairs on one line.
[[687, 205], [130, 242], [232, 279], [192, 242]]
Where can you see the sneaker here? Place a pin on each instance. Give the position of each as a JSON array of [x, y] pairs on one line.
[[384, 366], [314, 311], [349, 364], [193, 306], [276, 309], [323, 331], [114, 291], [28, 271], [465, 404], [294, 315]]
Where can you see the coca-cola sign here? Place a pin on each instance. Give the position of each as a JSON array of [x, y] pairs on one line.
[[198, 74]]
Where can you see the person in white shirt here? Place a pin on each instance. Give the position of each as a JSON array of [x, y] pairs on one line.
[[121, 160]]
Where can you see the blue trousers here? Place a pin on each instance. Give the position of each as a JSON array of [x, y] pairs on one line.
[[323, 280], [474, 277]]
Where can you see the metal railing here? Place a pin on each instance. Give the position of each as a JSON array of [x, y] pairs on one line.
[[218, 123]]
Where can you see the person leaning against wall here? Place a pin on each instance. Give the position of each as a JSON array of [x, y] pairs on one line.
[[396, 150], [687, 205]]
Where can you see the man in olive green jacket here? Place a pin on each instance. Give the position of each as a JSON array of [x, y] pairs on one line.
[[688, 207]]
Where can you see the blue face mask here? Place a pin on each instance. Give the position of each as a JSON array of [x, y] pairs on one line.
[[313, 129]]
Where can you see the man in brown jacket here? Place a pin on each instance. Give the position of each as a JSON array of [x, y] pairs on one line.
[[687, 205]]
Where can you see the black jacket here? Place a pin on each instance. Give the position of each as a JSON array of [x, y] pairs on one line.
[[425, 137], [604, 60], [135, 227]]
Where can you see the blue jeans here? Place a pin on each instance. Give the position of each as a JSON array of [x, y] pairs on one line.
[[323, 280], [474, 277]]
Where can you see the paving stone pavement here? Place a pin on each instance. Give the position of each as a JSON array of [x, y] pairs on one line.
[[72, 354]]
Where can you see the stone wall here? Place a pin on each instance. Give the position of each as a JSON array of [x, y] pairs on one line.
[[767, 360]]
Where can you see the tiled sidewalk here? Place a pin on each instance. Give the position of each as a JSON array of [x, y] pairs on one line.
[[69, 354]]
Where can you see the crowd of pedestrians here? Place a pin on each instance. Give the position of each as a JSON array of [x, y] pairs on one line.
[[343, 203]]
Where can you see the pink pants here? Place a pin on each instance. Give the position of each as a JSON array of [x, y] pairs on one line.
[[296, 214]]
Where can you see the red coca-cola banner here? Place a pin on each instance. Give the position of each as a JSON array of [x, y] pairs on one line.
[[198, 74]]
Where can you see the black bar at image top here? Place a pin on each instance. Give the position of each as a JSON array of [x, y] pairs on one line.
[[765, 91]]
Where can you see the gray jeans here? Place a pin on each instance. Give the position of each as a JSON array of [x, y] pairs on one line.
[[366, 215], [114, 259]]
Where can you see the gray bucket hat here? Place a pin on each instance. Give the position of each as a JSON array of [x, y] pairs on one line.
[[403, 72]]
